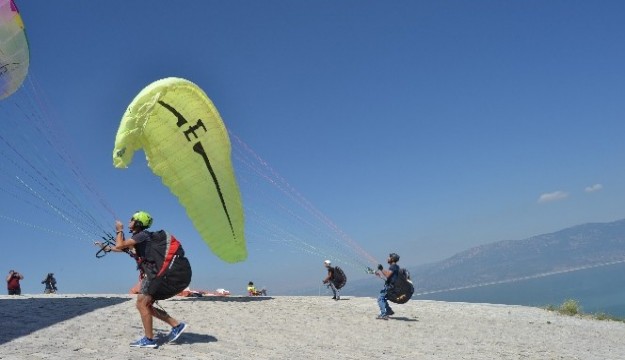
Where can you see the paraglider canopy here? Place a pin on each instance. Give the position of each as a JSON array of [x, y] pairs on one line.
[[14, 54], [187, 145]]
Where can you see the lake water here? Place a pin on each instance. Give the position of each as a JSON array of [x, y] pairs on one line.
[[598, 290]]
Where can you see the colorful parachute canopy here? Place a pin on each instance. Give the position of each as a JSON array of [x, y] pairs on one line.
[[187, 145], [14, 58]]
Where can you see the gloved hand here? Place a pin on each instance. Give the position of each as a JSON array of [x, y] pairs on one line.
[[380, 267]]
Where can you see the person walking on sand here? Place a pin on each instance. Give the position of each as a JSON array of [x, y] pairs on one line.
[[389, 277], [50, 283], [13, 283], [153, 287], [329, 280]]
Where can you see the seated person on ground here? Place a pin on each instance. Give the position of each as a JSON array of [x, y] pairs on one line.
[[251, 290]]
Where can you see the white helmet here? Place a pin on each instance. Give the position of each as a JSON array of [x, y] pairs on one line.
[[327, 262]]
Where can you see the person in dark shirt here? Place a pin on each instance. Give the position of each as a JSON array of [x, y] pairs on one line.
[[139, 223], [389, 277], [329, 280], [50, 283]]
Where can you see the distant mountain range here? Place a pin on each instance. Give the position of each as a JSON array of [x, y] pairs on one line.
[[579, 247]]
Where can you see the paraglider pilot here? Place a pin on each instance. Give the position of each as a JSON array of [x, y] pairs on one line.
[[138, 225], [389, 276], [50, 283], [329, 280]]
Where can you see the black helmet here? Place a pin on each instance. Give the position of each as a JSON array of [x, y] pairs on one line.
[[394, 257]]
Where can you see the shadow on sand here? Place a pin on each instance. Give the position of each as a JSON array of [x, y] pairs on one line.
[[23, 316], [186, 338], [401, 318], [194, 338]]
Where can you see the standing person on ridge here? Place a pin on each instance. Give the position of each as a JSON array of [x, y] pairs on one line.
[[50, 283], [329, 280], [13, 283], [140, 240], [389, 276]]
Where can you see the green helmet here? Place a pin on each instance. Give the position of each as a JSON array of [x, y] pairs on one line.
[[143, 218]]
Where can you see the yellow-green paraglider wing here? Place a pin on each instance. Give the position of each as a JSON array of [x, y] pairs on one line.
[[14, 57], [187, 145]]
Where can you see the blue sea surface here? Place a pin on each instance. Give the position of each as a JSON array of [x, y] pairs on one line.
[[597, 290]]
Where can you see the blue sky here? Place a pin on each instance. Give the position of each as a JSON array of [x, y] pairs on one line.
[[423, 128]]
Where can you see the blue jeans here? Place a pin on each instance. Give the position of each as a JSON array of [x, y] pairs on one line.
[[383, 303], [335, 291]]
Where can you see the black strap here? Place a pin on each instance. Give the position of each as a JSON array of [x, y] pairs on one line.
[[109, 241]]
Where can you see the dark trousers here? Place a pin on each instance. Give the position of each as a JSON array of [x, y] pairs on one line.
[[17, 291]]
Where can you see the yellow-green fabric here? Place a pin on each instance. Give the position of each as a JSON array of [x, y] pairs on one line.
[[14, 55], [187, 145]]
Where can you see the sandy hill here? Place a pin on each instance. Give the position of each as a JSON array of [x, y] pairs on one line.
[[102, 326]]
